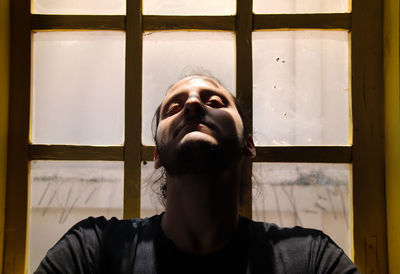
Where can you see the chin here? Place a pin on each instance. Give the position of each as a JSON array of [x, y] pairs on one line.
[[198, 137], [198, 152]]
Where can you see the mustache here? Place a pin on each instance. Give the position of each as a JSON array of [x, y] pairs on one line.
[[186, 122]]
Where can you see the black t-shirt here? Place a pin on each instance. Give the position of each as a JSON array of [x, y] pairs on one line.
[[230, 259], [96, 245]]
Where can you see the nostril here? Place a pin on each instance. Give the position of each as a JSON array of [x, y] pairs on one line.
[[194, 107]]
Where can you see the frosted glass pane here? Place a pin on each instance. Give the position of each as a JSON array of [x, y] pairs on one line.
[[309, 195], [301, 88], [169, 56], [64, 192], [189, 7], [150, 203], [95, 7], [301, 6], [78, 87]]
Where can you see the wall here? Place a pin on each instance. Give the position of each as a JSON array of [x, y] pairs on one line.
[[392, 130], [4, 81]]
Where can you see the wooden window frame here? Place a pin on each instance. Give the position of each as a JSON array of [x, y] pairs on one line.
[[365, 154]]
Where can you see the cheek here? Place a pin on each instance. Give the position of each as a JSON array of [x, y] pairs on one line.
[[238, 125], [230, 122], [164, 131], [161, 134]]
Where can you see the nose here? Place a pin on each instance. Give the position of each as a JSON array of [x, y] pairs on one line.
[[194, 106]]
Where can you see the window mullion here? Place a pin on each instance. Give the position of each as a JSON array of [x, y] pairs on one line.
[[160, 22], [244, 84], [92, 22], [304, 154], [133, 108], [289, 154], [302, 21], [77, 153]]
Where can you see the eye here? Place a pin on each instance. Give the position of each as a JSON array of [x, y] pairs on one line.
[[173, 108], [215, 102]]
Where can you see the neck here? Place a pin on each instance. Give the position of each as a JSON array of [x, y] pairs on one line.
[[202, 210]]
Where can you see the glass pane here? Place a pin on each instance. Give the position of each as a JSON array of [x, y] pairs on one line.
[[150, 185], [78, 87], [94, 7], [189, 7], [301, 88], [309, 195], [301, 6], [65, 192], [171, 55]]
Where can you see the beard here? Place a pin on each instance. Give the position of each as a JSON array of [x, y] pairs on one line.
[[200, 157]]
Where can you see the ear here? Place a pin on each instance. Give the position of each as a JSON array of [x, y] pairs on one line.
[[250, 149], [157, 162]]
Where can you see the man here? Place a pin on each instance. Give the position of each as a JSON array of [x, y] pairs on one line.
[[203, 143]]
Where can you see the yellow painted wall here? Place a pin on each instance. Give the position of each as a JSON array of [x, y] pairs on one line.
[[4, 84], [392, 130]]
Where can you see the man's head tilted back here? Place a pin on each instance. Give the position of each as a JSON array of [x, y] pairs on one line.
[[200, 129]]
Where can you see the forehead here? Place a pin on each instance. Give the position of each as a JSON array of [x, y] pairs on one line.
[[197, 82]]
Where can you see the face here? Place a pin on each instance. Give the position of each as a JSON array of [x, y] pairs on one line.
[[200, 128]]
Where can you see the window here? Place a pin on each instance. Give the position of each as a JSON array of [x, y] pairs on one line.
[[323, 134]]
